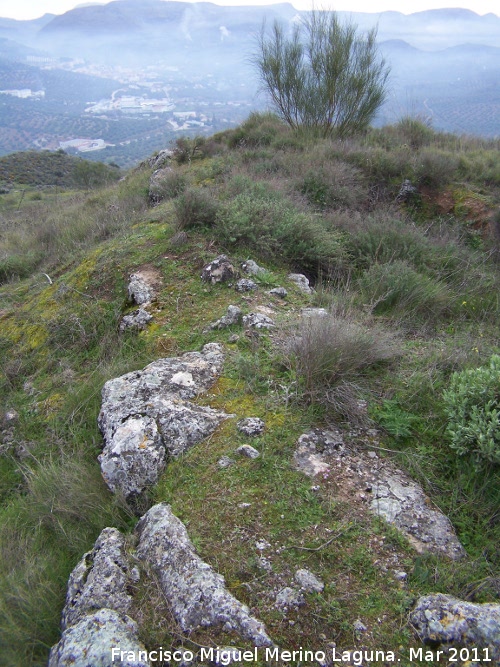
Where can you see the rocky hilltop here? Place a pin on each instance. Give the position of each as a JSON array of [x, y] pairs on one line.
[[228, 382]]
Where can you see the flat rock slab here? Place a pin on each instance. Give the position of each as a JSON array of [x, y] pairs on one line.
[[147, 416], [442, 619], [195, 593], [386, 490]]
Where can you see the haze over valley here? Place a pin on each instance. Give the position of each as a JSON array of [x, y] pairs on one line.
[[119, 81]]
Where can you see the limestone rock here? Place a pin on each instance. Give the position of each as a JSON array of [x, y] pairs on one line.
[[233, 316], [248, 451], [156, 183], [195, 593], [407, 191], [100, 580], [225, 462], [257, 321], [218, 271], [301, 281], [89, 643], [393, 495], [160, 159], [245, 285], [289, 597], [251, 426], [279, 291], [138, 319], [443, 619], [251, 268], [146, 417], [309, 581], [141, 288], [95, 619]]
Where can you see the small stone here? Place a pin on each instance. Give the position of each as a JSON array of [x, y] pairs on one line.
[[248, 451], [359, 627], [309, 581], [289, 597], [279, 291], [218, 271], [138, 319], [244, 506], [233, 338], [251, 426], [251, 268], [401, 576], [11, 416], [257, 321], [245, 285], [225, 462], [233, 316]]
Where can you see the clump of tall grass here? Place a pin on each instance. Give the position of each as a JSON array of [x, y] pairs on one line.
[[332, 357]]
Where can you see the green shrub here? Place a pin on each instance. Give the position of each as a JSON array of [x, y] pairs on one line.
[[335, 184], [396, 286], [436, 168], [260, 129], [472, 405], [171, 185], [196, 207], [272, 227]]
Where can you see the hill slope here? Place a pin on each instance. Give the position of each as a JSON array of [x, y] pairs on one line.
[[408, 280]]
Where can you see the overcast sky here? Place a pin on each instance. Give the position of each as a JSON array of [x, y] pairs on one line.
[[29, 9]]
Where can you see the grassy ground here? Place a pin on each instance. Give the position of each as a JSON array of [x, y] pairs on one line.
[[420, 274]]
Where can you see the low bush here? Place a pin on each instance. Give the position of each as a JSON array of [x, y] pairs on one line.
[[195, 207], [335, 184], [472, 405], [271, 227]]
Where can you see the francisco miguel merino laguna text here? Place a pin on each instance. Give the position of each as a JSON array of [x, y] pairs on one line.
[[227, 656]]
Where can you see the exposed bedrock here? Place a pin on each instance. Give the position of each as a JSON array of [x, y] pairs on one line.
[[148, 416]]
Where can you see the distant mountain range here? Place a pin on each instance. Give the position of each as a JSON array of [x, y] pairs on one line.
[[445, 67]]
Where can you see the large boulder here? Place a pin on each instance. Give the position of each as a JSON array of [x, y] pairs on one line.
[[95, 617], [195, 593], [442, 619], [147, 417]]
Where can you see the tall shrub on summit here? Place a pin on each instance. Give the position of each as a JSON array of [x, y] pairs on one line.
[[324, 76]]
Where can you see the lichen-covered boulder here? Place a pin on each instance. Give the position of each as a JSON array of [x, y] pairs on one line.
[[257, 321], [95, 617], [141, 288], [91, 641], [218, 271], [442, 619], [147, 417], [195, 593], [100, 580], [233, 316], [138, 319], [251, 426], [390, 492]]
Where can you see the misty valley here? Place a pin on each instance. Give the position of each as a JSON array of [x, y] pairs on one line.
[[116, 82]]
